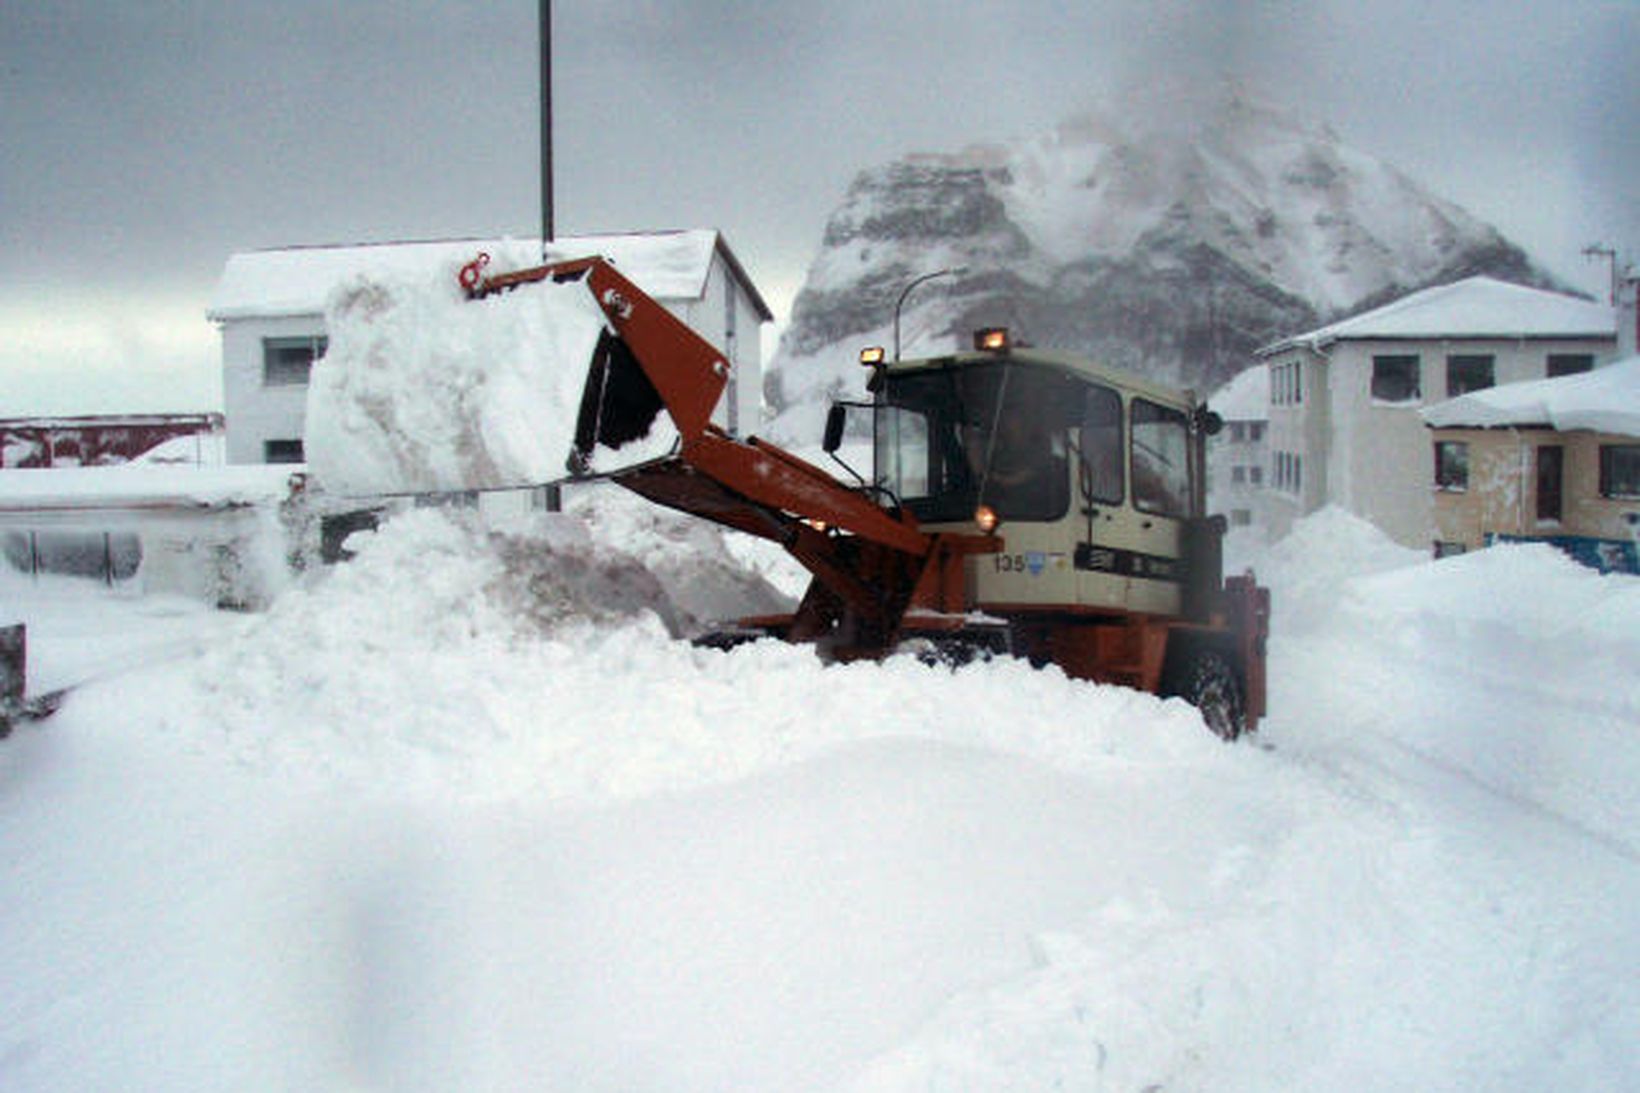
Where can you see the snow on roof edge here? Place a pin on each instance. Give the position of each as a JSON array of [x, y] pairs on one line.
[[282, 282], [1474, 307], [1605, 400]]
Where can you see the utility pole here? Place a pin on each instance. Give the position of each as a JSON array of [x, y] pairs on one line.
[[546, 126], [554, 499]]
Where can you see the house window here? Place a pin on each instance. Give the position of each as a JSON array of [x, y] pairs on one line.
[[1240, 518], [1286, 384], [1466, 372], [1238, 432], [1255, 431], [1620, 470], [1569, 364], [1238, 474], [1451, 465], [1255, 475], [1395, 378], [1447, 549], [287, 362], [1550, 462], [282, 451], [1288, 472]]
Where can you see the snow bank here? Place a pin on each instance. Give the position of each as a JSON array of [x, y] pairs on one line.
[[463, 814], [1514, 665], [542, 660], [1310, 567], [423, 390]]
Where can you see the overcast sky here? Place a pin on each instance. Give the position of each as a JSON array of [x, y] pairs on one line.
[[143, 142]]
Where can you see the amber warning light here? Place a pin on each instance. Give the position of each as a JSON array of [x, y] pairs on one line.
[[992, 339], [871, 355]]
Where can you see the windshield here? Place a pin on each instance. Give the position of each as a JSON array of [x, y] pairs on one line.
[[951, 438]]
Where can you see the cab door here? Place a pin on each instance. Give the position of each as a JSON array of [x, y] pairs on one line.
[[1134, 493]]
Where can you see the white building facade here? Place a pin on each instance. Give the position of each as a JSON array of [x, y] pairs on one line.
[[270, 305], [1238, 457], [1344, 423]]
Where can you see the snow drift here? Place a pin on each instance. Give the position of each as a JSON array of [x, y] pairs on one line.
[[464, 814]]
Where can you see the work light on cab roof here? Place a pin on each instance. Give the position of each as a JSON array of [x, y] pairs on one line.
[[991, 339]]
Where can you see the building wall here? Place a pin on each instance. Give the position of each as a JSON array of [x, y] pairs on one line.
[[1369, 456], [1237, 460], [1300, 420], [1501, 495], [256, 412]]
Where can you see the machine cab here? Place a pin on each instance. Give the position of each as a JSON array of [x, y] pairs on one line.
[[1091, 478]]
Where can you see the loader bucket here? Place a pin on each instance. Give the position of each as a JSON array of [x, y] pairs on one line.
[[647, 361]]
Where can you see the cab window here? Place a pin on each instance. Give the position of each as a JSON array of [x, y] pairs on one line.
[[1161, 459], [1099, 447]]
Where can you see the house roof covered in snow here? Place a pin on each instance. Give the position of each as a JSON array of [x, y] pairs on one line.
[[286, 281], [1477, 307], [1245, 398], [1606, 400]]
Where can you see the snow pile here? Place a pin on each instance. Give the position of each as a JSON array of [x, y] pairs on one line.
[[1518, 661], [1310, 567], [463, 814], [423, 390], [486, 651]]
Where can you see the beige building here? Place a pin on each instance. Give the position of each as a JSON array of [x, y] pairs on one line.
[[1555, 460]]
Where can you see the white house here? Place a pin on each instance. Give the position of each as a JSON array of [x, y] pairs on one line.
[[1238, 455], [1344, 399], [270, 308]]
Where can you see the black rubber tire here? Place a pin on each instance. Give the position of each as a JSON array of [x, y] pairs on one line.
[[1212, 686]]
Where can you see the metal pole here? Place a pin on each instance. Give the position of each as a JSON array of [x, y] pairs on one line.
[[547, 231], [906, 291], [554, 496]]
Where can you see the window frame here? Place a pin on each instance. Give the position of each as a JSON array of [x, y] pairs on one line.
[[287, 361], [1457, 363], [1567, 364], [1452, 477], [1412, 362], [277, 450], [1609, 454]]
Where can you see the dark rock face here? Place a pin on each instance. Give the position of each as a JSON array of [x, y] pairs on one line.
[[1243, 234]]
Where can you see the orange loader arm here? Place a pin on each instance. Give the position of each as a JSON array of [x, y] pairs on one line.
[[871, 564]]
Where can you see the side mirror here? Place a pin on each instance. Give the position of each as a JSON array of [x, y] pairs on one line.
[[833, 438]]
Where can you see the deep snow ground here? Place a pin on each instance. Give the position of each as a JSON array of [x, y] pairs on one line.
[[431, 823]]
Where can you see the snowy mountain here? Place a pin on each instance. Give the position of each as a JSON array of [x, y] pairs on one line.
[[1173, 241]]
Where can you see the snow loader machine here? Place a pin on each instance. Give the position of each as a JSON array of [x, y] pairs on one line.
[[1021, 502]]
